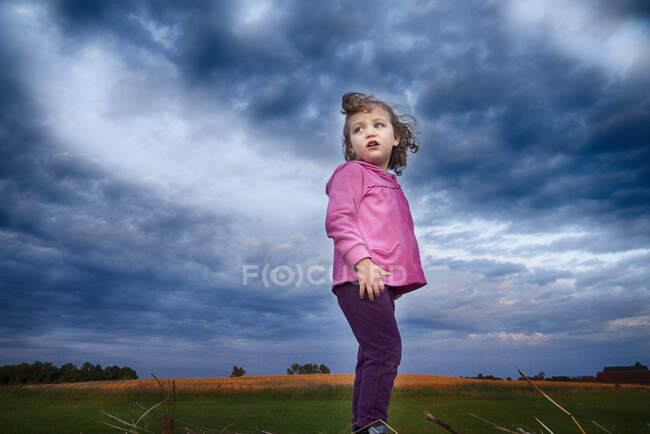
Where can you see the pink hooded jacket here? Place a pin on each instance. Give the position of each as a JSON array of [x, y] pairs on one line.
[[369, 216]]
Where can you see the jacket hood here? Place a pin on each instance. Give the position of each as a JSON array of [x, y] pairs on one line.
[[390, 177]]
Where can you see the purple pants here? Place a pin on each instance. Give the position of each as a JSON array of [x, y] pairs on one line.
[[380, 350]]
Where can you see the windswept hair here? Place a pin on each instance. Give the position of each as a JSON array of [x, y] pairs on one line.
[[403, 125]]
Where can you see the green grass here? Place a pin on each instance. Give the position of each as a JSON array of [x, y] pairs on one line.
[[327, 409]]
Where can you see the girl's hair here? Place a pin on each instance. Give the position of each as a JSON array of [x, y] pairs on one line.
[[403, 125]]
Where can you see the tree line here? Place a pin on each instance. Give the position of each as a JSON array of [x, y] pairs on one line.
[[46, 372], [295, 369], [308, 368], [539, 376]]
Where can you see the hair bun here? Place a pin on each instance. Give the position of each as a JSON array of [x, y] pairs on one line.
[[351, 101]]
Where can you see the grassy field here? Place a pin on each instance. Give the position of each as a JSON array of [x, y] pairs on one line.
[[321, 403]]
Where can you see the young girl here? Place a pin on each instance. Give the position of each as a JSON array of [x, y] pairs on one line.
[[376, 255]]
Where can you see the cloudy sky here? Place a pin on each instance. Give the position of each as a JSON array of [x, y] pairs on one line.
[[150, 151]]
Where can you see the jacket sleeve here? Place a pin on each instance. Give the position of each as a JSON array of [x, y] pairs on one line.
[[345, 191]]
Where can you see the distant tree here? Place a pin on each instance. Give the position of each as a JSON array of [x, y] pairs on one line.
[[22, 374], [5, 374], [42, 372], [486, 377], [35, 372], [97, 374], [127, 373], [237, 371], [86, 372], [308, 368], [563, 378], [68, 373], [111, 373], [539, 376]]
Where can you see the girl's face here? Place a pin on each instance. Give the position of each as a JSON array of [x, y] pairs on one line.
[[372, 136]]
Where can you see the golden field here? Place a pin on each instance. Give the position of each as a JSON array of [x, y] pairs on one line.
[[300, 381]]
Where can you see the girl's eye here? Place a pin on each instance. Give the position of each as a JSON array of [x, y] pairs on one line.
[[357, 129], [379, 124]]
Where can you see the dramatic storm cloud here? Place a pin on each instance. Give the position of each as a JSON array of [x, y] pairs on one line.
[[163, 170]]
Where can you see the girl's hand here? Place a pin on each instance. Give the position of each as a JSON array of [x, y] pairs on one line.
[[369, 278]]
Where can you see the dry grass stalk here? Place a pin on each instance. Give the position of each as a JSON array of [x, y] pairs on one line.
[[494, 425], [544, 426], [119, 428], [432, 418], [375, 421], [346, 429], [541, 392], [147, 412], [601, 427], [197, 429], [193, 429], [131, 428], [170, 405]]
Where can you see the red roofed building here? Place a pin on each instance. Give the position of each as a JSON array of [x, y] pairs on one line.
[[636, 374]]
